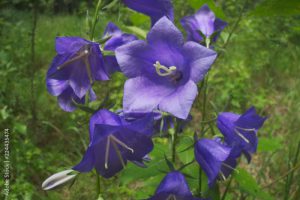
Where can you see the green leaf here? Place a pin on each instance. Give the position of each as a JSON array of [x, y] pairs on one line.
[[139, 19], [269, 144], [277, 8], [249, 185], [136, 30]]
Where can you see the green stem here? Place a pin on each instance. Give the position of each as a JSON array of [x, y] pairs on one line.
[[227, 188], [205, 84], [95, 19], [174, 141], [98, 185]]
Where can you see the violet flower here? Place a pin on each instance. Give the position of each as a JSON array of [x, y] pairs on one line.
[[203, 23], [240, 131], [215, 159], [74, 69], [117, 38], [173, 186], [163, 71], [155, 9], [114, 141]]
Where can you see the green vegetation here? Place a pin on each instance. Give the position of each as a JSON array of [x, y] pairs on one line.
[[258, 66]]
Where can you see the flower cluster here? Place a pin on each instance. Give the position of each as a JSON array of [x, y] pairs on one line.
[[162, 76]]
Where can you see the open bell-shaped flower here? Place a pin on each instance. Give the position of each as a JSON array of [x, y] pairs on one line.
[[240, 131], [203, 24], [74, 69], [215, 159], [114, 141], [173, 187], [163, 71]]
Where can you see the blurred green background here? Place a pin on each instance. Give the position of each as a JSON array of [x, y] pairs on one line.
[[258, 65]]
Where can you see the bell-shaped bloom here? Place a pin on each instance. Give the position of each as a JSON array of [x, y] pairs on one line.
[[163, 71], [203, 23], [155, 9], [240, 131], [116, 39], [114, 141], [74, 69], [214, 158], [173, 186]]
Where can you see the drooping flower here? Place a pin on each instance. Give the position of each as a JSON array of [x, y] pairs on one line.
[[214, 158], [114, 141], [74, 69], [116, 39], [163, 71], [173, 186], [240, 131], [155, 9], [202, 23]]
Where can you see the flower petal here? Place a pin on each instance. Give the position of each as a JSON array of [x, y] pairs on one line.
[[180, 101], [142, 95], [200, 59], [153, 8], [164, 31], [66, 45]]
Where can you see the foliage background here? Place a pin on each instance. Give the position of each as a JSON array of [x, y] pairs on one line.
[[258, 66]]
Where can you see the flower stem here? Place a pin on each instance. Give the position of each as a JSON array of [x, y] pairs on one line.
[[174, 141], [227, 188], [98, 185], [205, 84], [95, 19]]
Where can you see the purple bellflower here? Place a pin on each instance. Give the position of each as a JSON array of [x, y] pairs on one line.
[[173, 186], [74, 69], [155, 9], [116, 38], [215, 159], [163, 71], [114, 141], [203, 23], [240, 131]]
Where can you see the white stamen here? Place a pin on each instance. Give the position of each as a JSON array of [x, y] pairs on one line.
[[171, 197], [228, 166], [121, 143], [118, 153], [239, 134], [246, 129], [222, 176], [166, 71], [107, 152]]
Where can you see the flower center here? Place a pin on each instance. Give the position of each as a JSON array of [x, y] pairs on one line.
[[112, 139], [236, 130], [81, 54], [162, 70]]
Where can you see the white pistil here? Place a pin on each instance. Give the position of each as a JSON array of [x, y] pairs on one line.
[[245, 129], [166, 71], [71, 61], [171, 197], [239, 134], [107, 152], [228, 166], [121, 143], [222, 176], [118, 153], [112, 139], [88, 69]]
